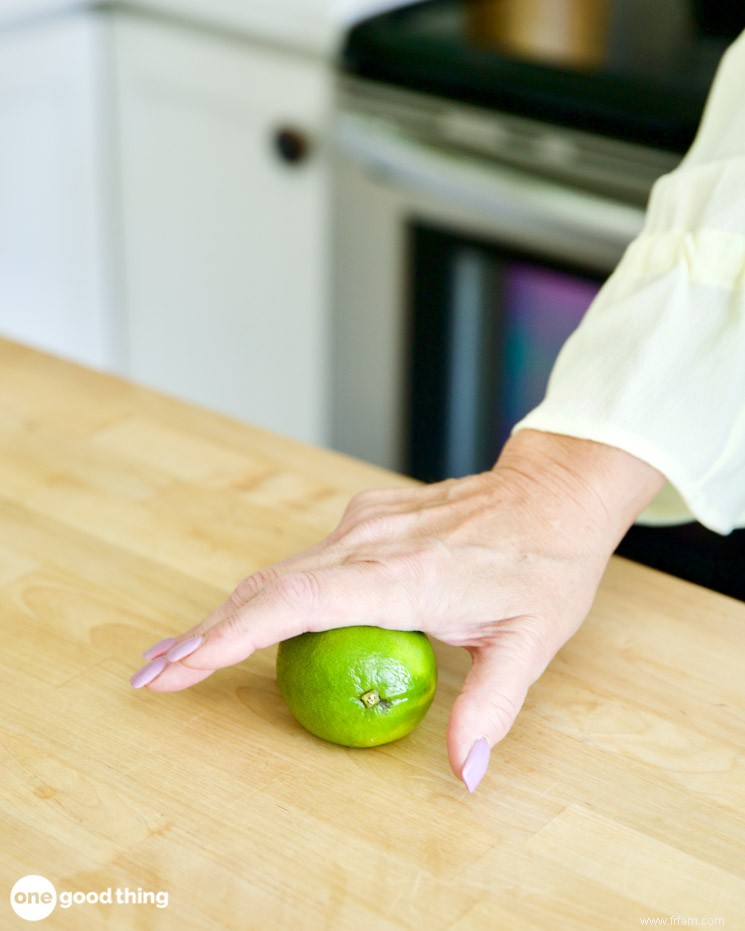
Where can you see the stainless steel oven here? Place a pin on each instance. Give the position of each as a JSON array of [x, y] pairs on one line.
[[468, 245], [493, 161]]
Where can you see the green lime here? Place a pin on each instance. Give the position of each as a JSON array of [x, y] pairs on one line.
[[358, 686]]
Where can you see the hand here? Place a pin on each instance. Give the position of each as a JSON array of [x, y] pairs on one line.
[[505, 564]]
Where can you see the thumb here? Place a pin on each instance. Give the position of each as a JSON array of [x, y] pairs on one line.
[[493, 693]]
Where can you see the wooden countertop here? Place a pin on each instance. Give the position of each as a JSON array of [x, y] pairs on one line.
[[125, 517]]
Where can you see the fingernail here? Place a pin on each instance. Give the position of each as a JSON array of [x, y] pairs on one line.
[[148, 673], [476, 764], [159, 649], [184, 649]]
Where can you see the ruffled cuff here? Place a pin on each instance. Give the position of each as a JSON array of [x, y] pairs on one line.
[[657, 368]]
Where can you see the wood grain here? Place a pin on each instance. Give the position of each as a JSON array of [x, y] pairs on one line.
[[126, 516]]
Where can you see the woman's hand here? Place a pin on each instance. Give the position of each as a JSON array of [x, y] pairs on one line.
[[505, 564]]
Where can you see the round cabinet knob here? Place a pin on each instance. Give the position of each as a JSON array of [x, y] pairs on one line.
[[291, 145]]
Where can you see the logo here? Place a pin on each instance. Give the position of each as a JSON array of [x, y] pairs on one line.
[[33, 898]]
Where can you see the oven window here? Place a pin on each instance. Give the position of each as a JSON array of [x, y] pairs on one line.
[[485, 326], [541, 306]]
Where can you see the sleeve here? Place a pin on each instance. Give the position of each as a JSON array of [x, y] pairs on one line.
[[657, 366]]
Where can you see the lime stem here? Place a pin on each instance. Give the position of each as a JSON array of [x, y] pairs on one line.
[[370, 699]]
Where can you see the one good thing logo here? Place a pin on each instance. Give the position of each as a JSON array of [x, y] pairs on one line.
[[34, 897]]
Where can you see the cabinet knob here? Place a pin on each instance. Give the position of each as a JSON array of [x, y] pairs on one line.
[[291, 145]]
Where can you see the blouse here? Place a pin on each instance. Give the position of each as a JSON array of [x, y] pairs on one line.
[[657, 365]]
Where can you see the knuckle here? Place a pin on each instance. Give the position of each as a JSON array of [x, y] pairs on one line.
[[419, 569], [377, 529], [231, 628], [526, 641], [534, 647], [374, 501], [361, 502], [299, 591], [499, 712], [368, 498], [250, 586]]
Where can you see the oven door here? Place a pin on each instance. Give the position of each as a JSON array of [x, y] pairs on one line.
[[456, 280]]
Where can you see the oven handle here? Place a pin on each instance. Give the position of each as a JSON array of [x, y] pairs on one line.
[[406, 163]]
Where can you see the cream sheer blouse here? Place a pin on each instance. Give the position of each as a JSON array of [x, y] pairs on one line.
[[657, 366]]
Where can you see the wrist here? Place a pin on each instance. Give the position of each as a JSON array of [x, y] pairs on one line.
[[606, 485]]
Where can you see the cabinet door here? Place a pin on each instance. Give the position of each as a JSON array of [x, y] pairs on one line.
[[54, 260], [224, 239]]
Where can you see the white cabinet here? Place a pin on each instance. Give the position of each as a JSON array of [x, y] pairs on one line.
[[148, 224], [54, 224], [225, 242]]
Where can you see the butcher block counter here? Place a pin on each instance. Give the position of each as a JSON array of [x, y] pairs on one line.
[[125, 517]]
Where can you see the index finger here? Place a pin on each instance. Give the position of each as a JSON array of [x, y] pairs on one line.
[[352, 594]]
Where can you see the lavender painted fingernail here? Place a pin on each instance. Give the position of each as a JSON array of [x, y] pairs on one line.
[[476, 764], [160, 649], [184, 649], [146, 675]]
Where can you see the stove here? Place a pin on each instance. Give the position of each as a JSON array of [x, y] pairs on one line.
[[636, 70]]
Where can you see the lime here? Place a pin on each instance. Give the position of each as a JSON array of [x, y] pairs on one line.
[[358, 686]]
